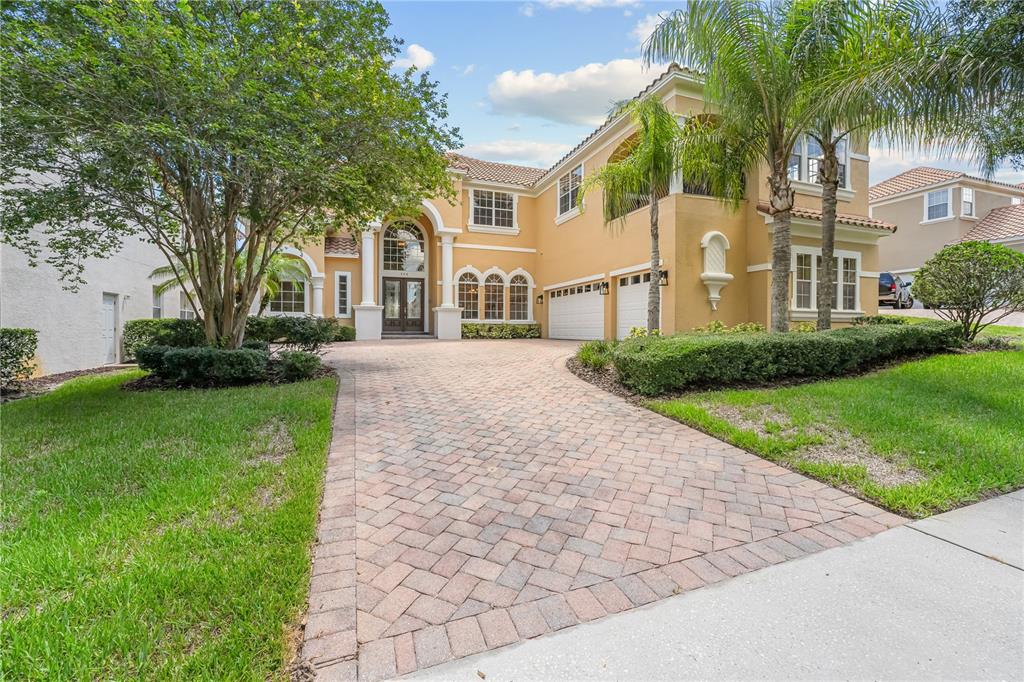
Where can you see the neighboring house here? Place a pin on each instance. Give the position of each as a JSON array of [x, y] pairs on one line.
[[82, 329], [513, 247], [1004, 225], [933, 207]]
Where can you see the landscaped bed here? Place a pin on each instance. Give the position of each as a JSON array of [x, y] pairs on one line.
[[160, 534]]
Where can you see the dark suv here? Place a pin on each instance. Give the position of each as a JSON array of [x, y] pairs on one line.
[[894, 291]]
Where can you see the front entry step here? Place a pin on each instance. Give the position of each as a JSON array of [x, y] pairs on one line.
[[405, 335]]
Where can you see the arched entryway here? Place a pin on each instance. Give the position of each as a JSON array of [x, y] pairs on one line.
[[404, 272]]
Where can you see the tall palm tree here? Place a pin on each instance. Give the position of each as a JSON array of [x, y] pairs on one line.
[[641, 177], [748, 54], [279, 268]]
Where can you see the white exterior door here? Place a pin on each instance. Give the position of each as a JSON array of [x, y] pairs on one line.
[[631, 303], [110, 327], [576, 312]]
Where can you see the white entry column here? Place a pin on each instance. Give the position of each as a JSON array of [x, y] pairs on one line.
[[368, 315], [318, 295], [449, 317]]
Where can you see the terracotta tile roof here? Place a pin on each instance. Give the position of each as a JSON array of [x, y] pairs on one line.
[[921, 177], [1006, 222], [844, 218], [340, 245], [478, 169]]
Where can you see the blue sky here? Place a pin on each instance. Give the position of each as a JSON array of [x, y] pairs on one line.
[[526, 81]]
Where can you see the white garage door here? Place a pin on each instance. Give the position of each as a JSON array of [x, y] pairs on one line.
[[631, 306], [576, 312]]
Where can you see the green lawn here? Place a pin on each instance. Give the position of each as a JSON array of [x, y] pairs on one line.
[[991, 330], [958, 420], [161, 534]]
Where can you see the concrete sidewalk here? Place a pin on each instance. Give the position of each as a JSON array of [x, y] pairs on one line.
[[941, 598]]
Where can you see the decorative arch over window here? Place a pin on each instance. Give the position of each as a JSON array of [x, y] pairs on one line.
[[404, 248], [469, 295], [715, 276], [494, 297], [519, 298]]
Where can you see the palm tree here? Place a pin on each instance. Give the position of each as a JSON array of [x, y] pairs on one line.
[[754, 76], [279, 268], [641, 177]]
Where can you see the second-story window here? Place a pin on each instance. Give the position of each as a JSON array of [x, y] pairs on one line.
[[936, 204], [493, 209], [805, 161], [569, 189], [967, 201]]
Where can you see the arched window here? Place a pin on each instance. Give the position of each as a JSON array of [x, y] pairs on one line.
[[469, 296], [494, 297], [519, 298], [403, 248]]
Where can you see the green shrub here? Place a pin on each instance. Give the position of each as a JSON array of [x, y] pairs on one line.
[[205, 366], [804, 328], [306, 333], [499, 330], [165, 332], [719, 327], [641, 332], [151, 358], [658, 365], [256, 344], [878, 319], [596, 354], [343, 332], [17, 348], [297, 365]]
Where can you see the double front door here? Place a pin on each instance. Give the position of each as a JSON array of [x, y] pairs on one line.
[[403, 304]]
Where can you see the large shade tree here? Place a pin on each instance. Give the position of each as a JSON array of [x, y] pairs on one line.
[[217, 130], [754, 78]]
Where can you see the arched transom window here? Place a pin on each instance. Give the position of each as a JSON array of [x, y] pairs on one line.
[[519, 298], [494, 297], [469, 296], [403, 248]]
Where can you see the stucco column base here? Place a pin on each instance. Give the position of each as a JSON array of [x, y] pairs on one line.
[[369, 320], [448, 323]]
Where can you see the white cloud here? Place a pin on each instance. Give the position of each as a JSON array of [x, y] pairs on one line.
[[587, 5], [469, 69], [526, 10], [415, 55], [583, 96], [644, 28], [522, 152]]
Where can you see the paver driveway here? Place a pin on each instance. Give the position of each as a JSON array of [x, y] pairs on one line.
[[478, 493]]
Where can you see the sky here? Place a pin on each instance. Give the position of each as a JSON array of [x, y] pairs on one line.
[[527, 81]]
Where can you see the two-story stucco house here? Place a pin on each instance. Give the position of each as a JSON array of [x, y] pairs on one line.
[[513, 247], [933, 207]]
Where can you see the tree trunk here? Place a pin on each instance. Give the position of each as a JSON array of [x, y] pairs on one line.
[[654, 292], [829, 173], [782, 206]]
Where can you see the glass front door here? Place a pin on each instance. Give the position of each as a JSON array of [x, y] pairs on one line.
[[403, 304]]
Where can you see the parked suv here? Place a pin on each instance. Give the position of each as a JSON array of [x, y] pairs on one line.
[[894, 291]]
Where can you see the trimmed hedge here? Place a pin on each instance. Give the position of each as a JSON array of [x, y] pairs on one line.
[[301, 333], [17, 348], [205, 366], [654, 365], [164, 332], [500, 330]]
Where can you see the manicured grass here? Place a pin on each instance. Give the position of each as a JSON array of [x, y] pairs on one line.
[[161, 534], [958, 419], [991, 330]]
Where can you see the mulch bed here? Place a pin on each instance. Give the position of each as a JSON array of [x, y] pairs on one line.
[[45, 384]]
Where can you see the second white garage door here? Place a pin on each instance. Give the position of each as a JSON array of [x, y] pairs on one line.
[[576, 312], [631, 306]]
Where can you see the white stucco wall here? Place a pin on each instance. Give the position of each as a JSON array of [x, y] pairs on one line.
[[70, 324]]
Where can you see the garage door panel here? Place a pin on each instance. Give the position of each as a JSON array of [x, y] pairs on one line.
[[631, 303], [576, 313]]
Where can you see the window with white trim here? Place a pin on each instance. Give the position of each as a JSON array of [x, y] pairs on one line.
[[936, 204], [494, 297], [469, 296], [569, 189], [807, 269], [1016, 201], [289, 298], [343, 294], [805, 160], [185, 310], [967, 201], [519, 299], [158, 303], [493, 209], [404, 248]]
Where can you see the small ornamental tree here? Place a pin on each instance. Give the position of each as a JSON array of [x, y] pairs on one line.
[[972, 283], [218, 131]]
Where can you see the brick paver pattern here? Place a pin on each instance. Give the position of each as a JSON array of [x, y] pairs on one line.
[[478, 494]]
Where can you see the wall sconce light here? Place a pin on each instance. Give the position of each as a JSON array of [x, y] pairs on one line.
[[663, 278], [602, 288], [540, 299]]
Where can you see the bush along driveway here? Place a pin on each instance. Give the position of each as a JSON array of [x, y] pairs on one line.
[[159, 534], [919, 438]]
